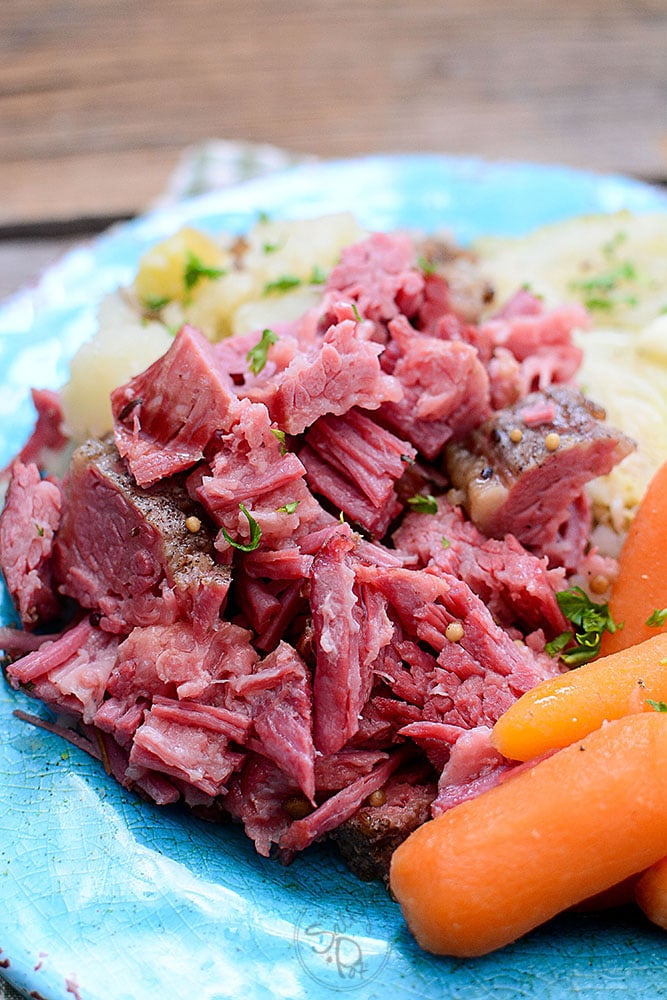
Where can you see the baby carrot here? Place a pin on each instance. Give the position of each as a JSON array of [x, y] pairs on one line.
[[572, 825], [562, 709], [641, 586], [651, 893]]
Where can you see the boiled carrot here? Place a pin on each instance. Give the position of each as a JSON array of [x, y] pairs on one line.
[[651, 893], [576, 823], [641, 586], [563, 709]]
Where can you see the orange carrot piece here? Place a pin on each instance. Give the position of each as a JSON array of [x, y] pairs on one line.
[[651, 893], [641, 586], [563, 709], [574, 824]]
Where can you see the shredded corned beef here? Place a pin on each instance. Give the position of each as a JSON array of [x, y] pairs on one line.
[[280, 609]]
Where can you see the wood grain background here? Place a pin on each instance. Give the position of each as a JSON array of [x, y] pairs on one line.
[[99, 97]]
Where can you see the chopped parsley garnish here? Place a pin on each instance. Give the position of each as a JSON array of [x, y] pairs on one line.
[[284, 284], [590, 621], [255, 533], [289, 508], [612, 286], [445, 542], [317, 276], [658, 706], [155, 304], [257, 355], [270, 247], [280, 436], [195, 271], [39, 529], [427, 266], [657, 618], [423, 503], [356, 313]]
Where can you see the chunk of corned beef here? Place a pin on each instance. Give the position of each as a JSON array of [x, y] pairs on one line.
[[524, 470], [339, 689], [380, 276], [325, 480], [127, 552], [71, 672], [178, 660], [339, 372], [370, 836], [474, 766], [249, 466], [350, 629], [445, 389], [48, 438], [260, 796], [342, 805], [278, 698], [28, 524], [516, 586], [268, 606], [355, 464], [468, 292], [191, 742], [165, 417], [541, 340]]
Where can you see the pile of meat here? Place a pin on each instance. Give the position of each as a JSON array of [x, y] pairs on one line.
[[309, 571]]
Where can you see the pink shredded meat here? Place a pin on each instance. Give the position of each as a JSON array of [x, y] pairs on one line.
[[259, 619]]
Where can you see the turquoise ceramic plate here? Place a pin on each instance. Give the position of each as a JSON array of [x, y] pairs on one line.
[[103, 897]]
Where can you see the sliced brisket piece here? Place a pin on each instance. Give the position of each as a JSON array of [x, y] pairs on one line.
[[368, 455], [28, 524], [342, 805], [355, 464], [340, 689], [541, 340], [249, 466], [179, 661], [260, 796], [473, 767], [339, 372], [344, 494], [127, 553], [516, 586], [70, 673], [191, 742], [278, 698], [380, 276], [532, 487], [165, 416], [370, 836], [445, 388]]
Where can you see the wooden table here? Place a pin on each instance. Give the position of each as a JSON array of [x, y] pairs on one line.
[[98, 98]]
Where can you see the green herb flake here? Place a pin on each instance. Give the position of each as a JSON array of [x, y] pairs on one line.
[[590, 621], [658, 706], [255, 533], [155, 304], [39, 529], [445, 542], [356, 313], [281, 285], [270, 247], [280, 437], [196, 271], [426, 266], [257, 356], [423, 503], [317, 276], [657, 618], [608, 289], [289, 508]]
